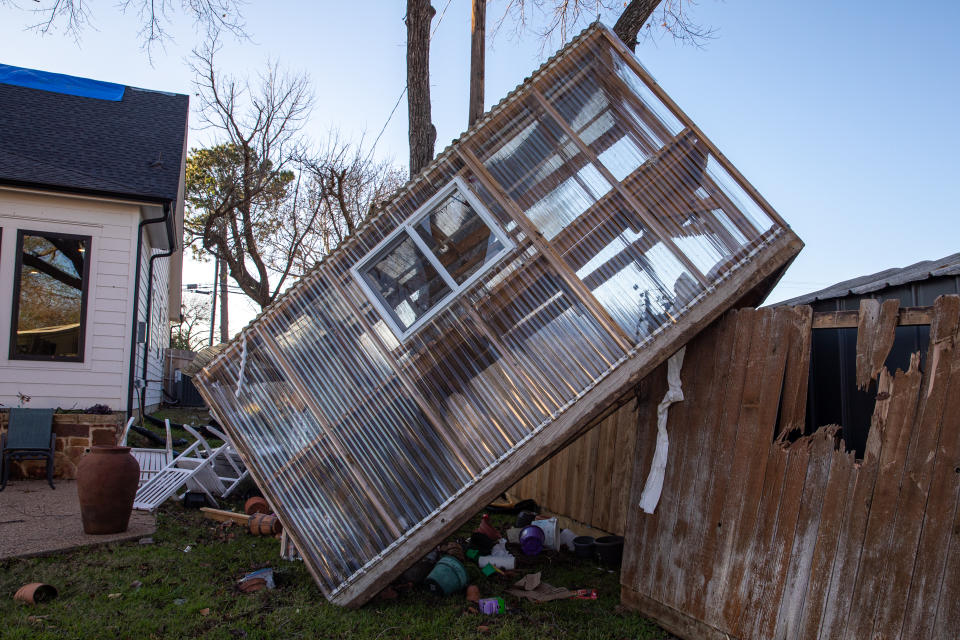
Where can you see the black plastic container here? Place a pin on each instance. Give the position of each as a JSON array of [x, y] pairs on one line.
[[583, 547], [524, 518], [609, 549]]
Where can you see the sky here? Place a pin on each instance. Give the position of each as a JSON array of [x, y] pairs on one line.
[[844, 118]]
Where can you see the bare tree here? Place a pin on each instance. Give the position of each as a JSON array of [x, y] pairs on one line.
[[73, 17], [190, 332], [237, 190], [671, 17], [339, 187]]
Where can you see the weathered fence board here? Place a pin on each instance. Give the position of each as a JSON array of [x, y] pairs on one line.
[[766, 536]]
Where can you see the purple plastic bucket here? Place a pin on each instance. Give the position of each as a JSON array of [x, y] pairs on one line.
[[531, 540]]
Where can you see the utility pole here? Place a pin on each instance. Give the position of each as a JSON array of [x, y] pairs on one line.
[[213, 305], [477, 51], [224, 316]]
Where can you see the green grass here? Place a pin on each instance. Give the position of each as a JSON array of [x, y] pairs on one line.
[[175, 587]]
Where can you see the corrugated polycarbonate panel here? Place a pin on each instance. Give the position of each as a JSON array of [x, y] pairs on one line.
[[621, 220]]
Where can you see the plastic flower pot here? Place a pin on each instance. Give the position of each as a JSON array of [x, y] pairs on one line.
[[531, 540], [583, 547], [610, 550], [448, 576]]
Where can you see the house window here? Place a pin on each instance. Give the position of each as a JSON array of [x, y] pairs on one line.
[[438, 252], [50, 296]]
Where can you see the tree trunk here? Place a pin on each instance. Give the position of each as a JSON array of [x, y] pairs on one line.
[[224, 307], [423, 135], [632, 19], [477, 52]]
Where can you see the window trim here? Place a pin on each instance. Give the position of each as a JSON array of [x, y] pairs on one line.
[[15, 306], [407, 227]]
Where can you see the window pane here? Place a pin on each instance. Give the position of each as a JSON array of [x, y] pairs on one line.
[[49, 320], [405, 281], [458, 237]]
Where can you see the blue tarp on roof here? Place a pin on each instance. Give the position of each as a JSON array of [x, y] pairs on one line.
[[60, 83]]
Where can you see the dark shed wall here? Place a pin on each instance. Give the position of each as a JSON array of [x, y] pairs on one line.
[[833, 394]]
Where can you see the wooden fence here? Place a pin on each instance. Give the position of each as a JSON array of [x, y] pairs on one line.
[[586, 481], [763, 534]]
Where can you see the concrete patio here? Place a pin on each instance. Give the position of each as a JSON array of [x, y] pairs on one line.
[[35, 520]]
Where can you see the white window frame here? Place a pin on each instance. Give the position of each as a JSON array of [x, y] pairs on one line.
[[458, 184]]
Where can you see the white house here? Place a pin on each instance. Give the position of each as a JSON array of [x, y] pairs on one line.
[[91, 217]]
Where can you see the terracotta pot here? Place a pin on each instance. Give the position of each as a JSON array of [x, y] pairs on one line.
[[107, 480], [256, 505], [263, 524], [35, 592]]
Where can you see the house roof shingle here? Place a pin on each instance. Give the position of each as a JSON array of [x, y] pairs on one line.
[[131, 147], [946, 266]]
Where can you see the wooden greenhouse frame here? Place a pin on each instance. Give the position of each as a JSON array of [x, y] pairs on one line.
[[577, 235]]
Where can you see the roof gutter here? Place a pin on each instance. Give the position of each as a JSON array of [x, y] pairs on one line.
[[167, 220]]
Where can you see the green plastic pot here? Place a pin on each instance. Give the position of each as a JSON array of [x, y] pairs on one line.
[[448, 576]]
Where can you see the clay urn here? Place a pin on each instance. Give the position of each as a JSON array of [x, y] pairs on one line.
[[107, 479]]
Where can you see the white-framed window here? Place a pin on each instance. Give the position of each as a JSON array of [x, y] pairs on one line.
[[439, 251]]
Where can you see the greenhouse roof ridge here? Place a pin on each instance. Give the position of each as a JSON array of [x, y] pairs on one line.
[[507, 100]]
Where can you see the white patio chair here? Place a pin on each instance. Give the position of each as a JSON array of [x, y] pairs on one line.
[[232, 471], [151, 461], [193, 468]]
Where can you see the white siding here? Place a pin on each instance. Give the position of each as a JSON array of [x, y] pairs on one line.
[[159, 325], [102, 376]]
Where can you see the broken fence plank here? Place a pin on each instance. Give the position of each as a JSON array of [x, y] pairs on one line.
[[875, 333], [912, 501], [876, 542]]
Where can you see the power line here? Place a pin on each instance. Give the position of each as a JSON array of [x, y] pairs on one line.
[[405, 87]]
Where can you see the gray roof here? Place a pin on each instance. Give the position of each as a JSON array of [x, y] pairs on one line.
[[130, 147], [948, 266]]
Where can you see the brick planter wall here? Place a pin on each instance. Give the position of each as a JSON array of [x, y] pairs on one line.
[[76, 432]]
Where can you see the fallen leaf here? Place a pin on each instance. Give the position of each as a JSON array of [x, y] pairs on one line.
[[205, 611], [483, 628]]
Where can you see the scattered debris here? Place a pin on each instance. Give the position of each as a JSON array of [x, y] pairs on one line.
[[205, 611], [114, 596], [492, 606], [388, 594], [452, 549], [473, 593], [531, 540], [448, 576], [262, 524], [549, 528], [487, 529], [35, 593], [257, 580], [136, 584], [530, 587], [194, 500], [256, 504], [498, 557], [224, 516], [180, 601], [187, 548], [147, 540]]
